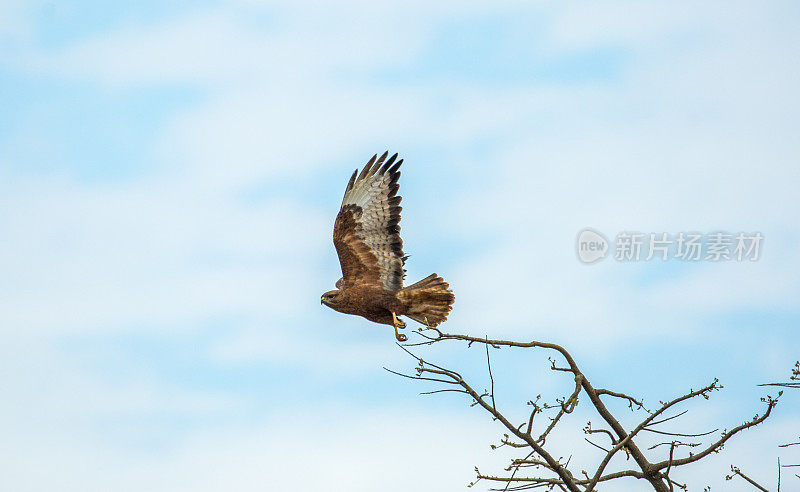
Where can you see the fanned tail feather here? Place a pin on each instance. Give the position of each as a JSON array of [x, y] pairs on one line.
[[428, 301]]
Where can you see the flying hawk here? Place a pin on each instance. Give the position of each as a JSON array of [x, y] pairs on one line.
[[367, 239]]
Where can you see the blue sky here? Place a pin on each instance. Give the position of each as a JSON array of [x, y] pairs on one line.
[[170, 172]]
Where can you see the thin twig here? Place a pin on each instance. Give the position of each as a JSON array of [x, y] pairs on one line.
[[737, 471], [678, 434], [491, 378]]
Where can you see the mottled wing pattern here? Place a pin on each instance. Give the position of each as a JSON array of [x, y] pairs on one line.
[[367, 231]]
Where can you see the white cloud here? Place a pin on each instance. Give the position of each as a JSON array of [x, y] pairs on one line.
[[224, 46], [308, 450], [150, 253], [15, 24]]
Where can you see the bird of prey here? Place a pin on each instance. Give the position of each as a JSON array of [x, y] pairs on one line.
[[366, 235]]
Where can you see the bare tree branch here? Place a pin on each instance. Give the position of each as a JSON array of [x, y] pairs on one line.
[[656, 473]]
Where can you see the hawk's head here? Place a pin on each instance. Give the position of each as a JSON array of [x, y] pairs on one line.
[[331, 298]]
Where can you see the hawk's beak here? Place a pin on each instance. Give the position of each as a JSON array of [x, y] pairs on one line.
[[322, 300]]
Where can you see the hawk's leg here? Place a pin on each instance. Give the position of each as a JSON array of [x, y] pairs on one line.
[[398, 324]]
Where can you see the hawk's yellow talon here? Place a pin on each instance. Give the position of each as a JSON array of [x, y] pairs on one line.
[[398, 324]]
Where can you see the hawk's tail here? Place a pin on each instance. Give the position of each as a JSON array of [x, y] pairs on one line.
[[428, 301]]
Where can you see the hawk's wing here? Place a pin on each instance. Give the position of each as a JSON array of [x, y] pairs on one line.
[[367, 231]]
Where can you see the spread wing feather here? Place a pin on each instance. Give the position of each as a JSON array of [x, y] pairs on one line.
[[367, 230]]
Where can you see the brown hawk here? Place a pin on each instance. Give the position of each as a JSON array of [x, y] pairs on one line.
[[367, 239]]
